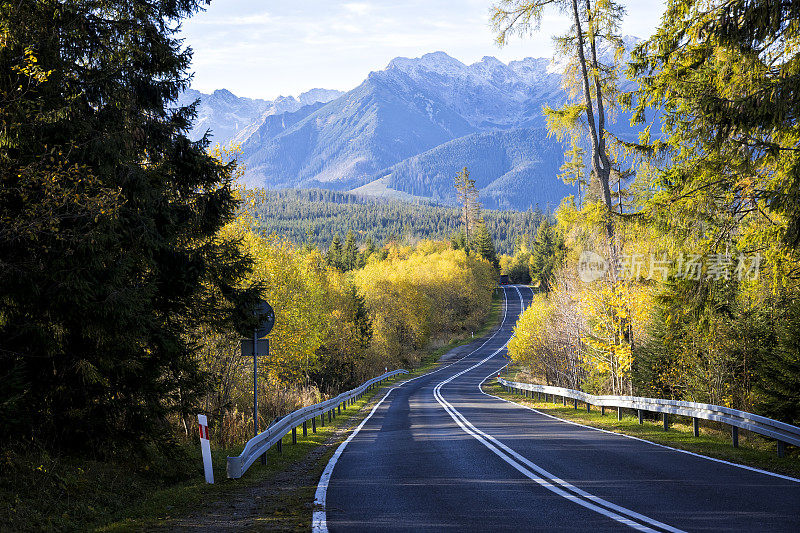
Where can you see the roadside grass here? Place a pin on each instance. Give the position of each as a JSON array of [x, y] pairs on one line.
[[181, 499], [431, 358], [66, 494], [714, 440], [42, 492]]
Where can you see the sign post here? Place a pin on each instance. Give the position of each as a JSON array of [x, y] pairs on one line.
[[259, 347], [205, 448]]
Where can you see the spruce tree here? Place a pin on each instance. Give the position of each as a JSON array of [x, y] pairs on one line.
[[483, 245], [109, 255], [350, 252], [335, 253], [547, 254]]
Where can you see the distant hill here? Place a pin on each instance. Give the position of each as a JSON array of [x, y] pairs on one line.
[[226, 115], [406, 130], [512, 169]]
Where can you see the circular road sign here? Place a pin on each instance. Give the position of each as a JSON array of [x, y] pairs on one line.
[[266, 318]]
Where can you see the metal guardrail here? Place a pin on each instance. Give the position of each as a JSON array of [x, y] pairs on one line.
[[259, 444], [783, 433]]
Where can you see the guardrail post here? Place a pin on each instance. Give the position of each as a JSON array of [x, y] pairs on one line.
[[735, 436], [696, 426], [294, 435], [305, 429], [576, 404], [781, 448], [619, 413], [314, 424], [588, 407], [280, 445], [602, 410], [330, 416], [339, 408], [641, 418], [564, 400], [666, 422]]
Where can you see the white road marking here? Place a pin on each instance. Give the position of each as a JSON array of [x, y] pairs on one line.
[[319, 522], [545, 479], [687, 452]]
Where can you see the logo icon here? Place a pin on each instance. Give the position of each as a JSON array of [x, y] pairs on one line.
[[591, 266]]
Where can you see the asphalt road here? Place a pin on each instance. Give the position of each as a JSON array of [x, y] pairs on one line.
[[439, 454]]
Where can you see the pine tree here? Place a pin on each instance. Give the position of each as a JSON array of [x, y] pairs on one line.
[[778, 379], [109, 215], [308, 245], [369, 249], [458, 240], [468, 199], [729, 74], [548, 253]]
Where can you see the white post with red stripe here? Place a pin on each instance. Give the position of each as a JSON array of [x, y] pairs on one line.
[[205, 447]]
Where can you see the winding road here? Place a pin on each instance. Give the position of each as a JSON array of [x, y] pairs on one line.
[[437, 453]]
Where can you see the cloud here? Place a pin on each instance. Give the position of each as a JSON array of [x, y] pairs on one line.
[[242, 20], [358, 8], [300, 44]]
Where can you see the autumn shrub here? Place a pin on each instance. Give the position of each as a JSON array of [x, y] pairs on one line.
[[416, 294], [334, 330]]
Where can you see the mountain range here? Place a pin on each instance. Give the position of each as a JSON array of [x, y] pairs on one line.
[[405, 131]]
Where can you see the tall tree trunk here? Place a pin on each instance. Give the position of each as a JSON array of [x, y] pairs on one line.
[[600, 161]]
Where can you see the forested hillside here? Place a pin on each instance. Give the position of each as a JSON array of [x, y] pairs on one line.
[[512, 169], [292, 213]]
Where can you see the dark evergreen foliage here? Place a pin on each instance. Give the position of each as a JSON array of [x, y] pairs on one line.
[[108, 255], [298, 214], [547, 255], [483, 246]]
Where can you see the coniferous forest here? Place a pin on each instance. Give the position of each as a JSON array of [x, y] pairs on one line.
[[131, 258], [317, 215]]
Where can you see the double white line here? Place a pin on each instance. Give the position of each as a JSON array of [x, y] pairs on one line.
[[540, 475], [319, 521]]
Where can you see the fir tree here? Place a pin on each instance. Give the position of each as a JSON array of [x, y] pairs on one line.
[[548, 252], [109, 255]]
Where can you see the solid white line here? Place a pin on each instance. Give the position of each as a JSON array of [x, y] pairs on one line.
[[505, 311], [693, 454], [687, 452], [516, 461], [319, 521]]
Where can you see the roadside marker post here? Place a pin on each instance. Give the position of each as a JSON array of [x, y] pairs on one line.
[[205, 448]]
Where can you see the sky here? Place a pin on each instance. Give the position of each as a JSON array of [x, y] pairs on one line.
[[265, 49]]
